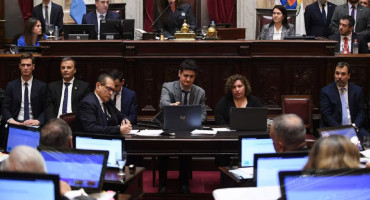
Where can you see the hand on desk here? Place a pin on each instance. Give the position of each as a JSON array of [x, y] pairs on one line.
[[126, 126], [175, 104], [30, 122]]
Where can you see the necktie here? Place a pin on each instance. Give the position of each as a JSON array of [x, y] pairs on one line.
[[185, 97], [65, 99], [101, 17], [26, 103], [46, 15], [115, 99], [344, 107], [345, 47], [353, 12], [323, 13]]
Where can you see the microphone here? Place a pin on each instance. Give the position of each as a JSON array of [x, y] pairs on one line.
[[161, 14]]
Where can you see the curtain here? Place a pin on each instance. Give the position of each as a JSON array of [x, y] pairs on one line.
[[148, 15], [222, 11], [26, 8]]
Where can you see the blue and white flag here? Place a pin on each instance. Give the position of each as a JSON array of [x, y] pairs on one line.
[[78, 9]]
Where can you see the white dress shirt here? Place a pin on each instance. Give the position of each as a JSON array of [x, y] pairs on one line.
[[21, 111], [69, 102], [277, 34], [49, 10], [346, 98]]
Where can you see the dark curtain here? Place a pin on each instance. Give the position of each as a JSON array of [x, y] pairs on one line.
[[222, 11], [149, 15], [26, 8]]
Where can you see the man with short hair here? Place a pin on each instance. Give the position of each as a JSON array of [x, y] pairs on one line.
[[25, 97], [49, 12], [56, 133], [288, 133], [365, 3], [65, 95], [101, 13], [124, 98], [342, 102], [317, 17], [97, 113], [346, 37]]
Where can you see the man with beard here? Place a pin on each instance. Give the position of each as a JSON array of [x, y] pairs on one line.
[[342, 102]]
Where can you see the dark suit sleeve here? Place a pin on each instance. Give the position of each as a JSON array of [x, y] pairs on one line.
[[326, 111], [84, 19], [363, 48], [42, 103], [307, 20], [191, 19], [360, 117], [49, 111], [7, 103], [60, 18], [334, 24], [220, 112], [133, 109]]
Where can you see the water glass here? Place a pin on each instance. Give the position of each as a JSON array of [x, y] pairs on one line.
[[49, 28], [121, 158], [13, 49]]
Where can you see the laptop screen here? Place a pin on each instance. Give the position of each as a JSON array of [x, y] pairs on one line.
[[79, 168], [268, 166], [182, 117], [339, 185], [347, 131], [248, 119], [25, 186], [22, 135], [112, 144], [251, 146]]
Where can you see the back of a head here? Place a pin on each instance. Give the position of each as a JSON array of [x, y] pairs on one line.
[[289, 129], [24, 159], [333, 152], [56, 133]]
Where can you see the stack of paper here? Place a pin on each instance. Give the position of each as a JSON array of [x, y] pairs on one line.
[[149, 132], [203, 132]]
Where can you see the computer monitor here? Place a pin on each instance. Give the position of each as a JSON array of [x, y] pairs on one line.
[[79, 29], [117, 29], [252, 144], [21, 135], [347, 131]]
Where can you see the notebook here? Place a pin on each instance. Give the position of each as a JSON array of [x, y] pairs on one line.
[[109, 143], [268, 165], [323, 184], [21, 135], [182, 117], [251, 144], [248, 119], [25, 186], [348, 131], [79, 168]]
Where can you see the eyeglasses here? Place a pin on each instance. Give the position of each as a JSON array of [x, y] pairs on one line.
[[108, 88]]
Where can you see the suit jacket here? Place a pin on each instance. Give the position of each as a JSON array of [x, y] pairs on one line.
[[315, 25], [129, 104], [362, 21], [331, 106], [91, 18], [362, 44], [171, 93], [79, 90], [13, 99], [92, 119], [267, 32], [56, 15]]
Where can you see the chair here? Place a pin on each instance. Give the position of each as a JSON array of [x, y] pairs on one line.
[[70, 118], [300, 105]]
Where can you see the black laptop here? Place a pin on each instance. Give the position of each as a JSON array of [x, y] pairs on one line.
[[252, 144], [248, 119], [182, 117], [21, 135], [347, 130]]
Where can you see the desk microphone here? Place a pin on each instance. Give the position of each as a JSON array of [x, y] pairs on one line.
[[161, 14]]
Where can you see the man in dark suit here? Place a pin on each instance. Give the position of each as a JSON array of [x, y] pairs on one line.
[[49, 13], [64, 95], [124, 98], [346, 37], [357, 11], [342, 102], [101, 12], [20, 110], [96, 112], [317, 17]]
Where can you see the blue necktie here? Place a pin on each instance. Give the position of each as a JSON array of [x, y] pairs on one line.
[[26, 103], [65, 99], [344, 107], [323, 13], [185, 97]]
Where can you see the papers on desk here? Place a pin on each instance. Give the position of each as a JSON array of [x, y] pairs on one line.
[[149, 132], [242, 193], [222, 129], [242, 173], [203, 132], [366, 153], [134, 131]]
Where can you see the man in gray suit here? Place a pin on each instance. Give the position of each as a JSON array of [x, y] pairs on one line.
[[360, 13], [181, 92]]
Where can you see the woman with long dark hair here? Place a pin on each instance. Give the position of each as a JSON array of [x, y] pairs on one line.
[[32, 33]]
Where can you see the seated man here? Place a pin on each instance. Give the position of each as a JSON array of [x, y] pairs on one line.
[[97, 113], [56, 133], [288, 133]]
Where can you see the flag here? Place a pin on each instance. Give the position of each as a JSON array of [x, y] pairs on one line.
[[78, 9], [299, 20]]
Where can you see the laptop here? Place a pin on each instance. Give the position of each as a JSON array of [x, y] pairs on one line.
[[248, 119], [347, 130], [25, 186], [182, 117], [110, 143], [268, 165], [21, 135], [325, 184], [252, 144], [79, 168]]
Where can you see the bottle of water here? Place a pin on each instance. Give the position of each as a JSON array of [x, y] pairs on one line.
[[355, 47], [56, 33], [213, 24]]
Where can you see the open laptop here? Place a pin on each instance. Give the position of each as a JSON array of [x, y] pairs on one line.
[[21, 135], [248, 119], [347, 130], [109, 143], [182, 117], [252, 144], [25, 186], [268, 165], [79, 168], [325, 184]]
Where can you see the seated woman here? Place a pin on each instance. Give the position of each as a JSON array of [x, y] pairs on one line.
[[174, 16], [32, 33], [333, 152], [237, 91], [279, 27]]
